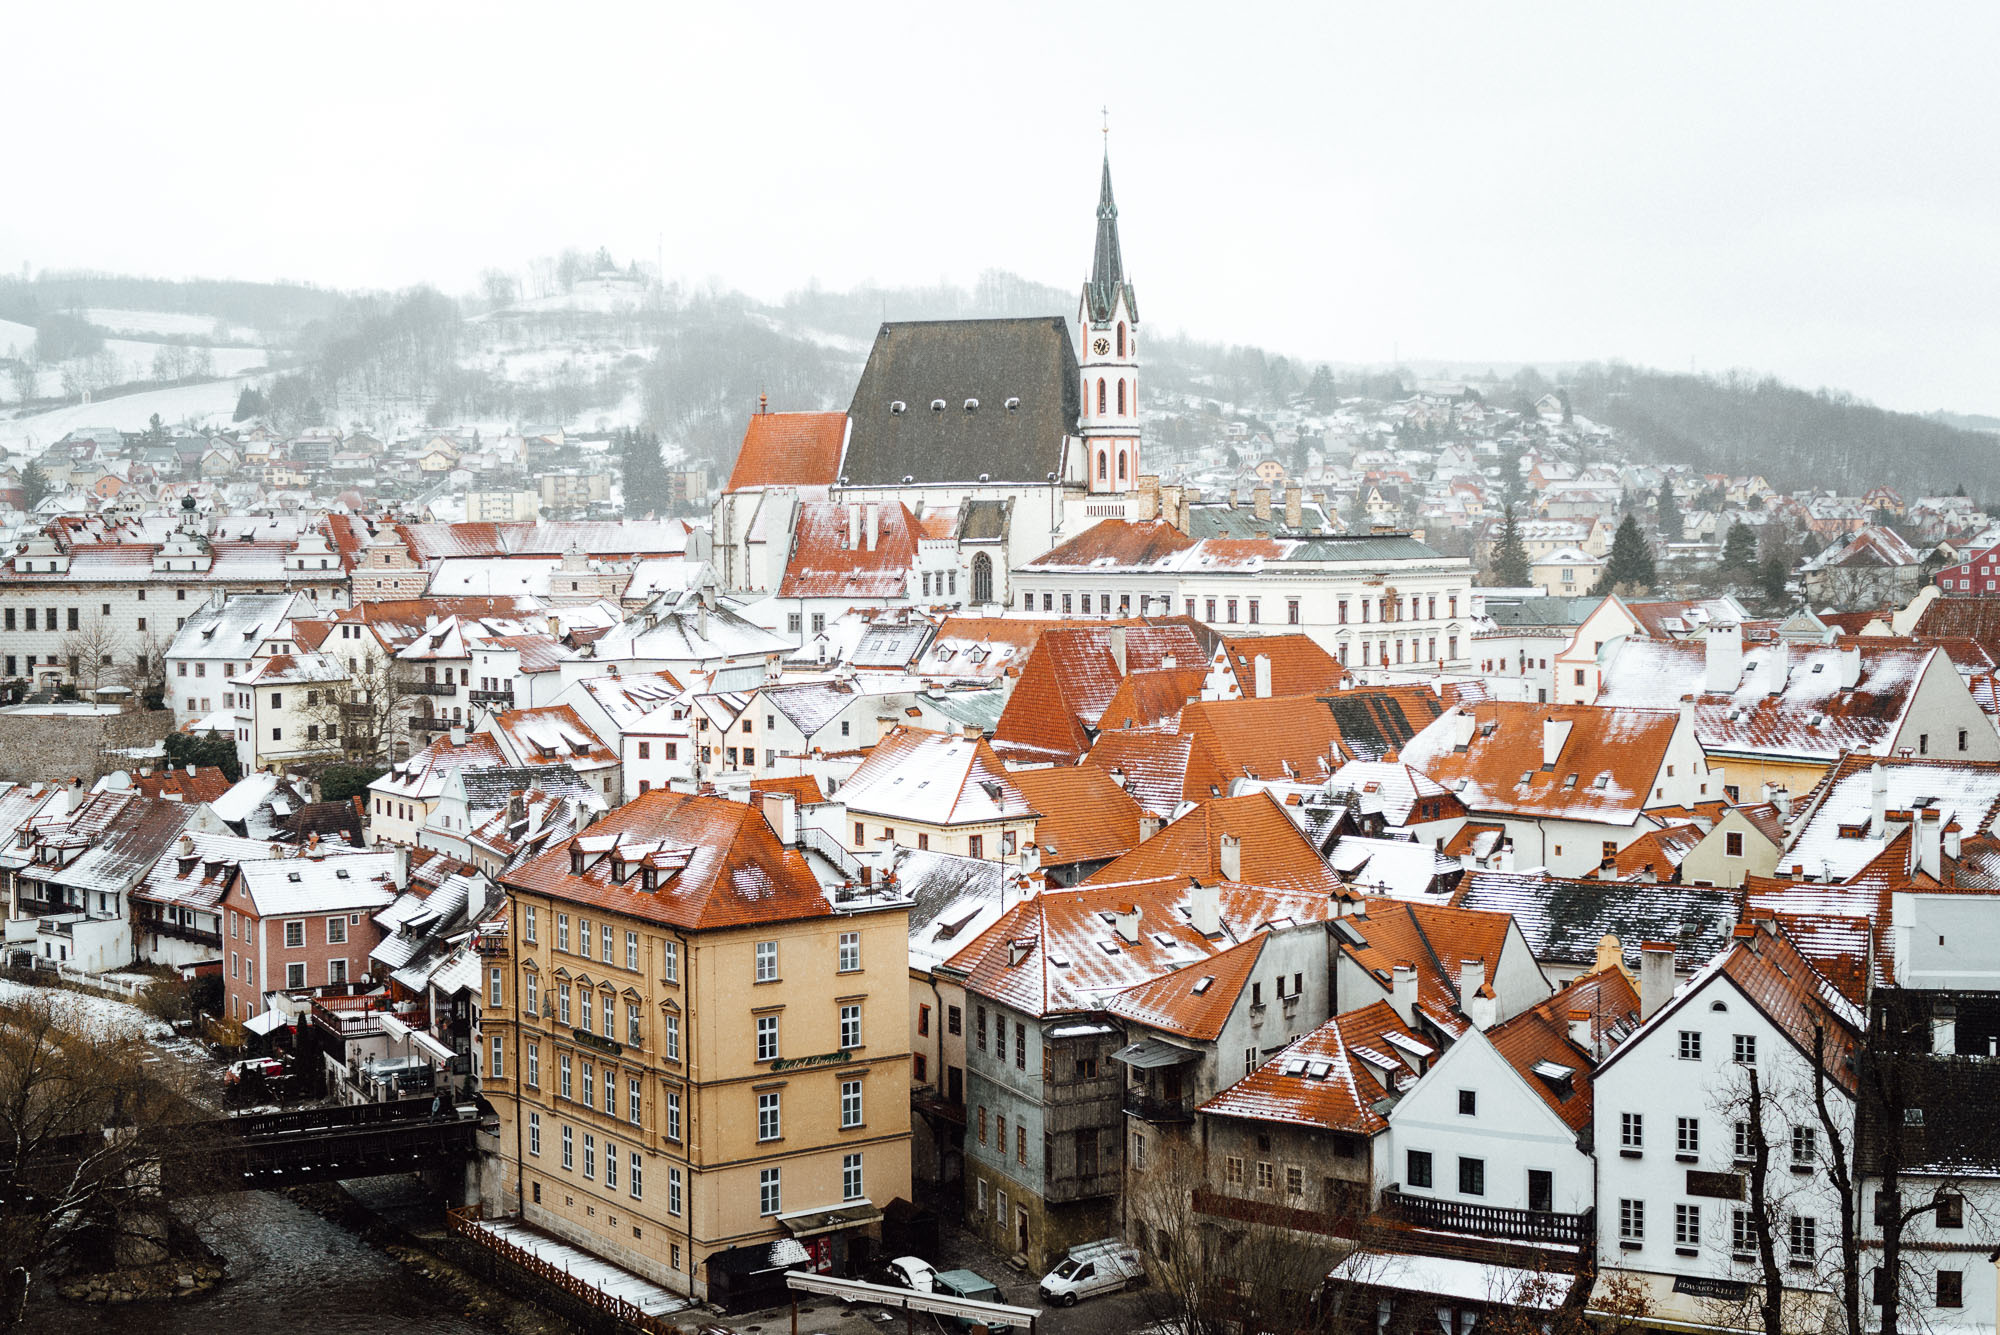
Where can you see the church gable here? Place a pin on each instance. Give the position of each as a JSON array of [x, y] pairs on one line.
[[992, 397]]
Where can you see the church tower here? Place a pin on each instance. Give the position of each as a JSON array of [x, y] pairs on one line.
[[1108, 323]]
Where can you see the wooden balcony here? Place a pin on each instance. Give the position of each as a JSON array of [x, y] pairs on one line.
[[498, 699], [443, 688], [1488, 1221], [1155, 1108]]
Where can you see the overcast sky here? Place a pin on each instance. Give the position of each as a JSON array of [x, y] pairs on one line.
[[1810, 190]]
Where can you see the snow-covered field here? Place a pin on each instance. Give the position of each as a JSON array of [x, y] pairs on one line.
[[170, 323], [99, 1017], [198, 404], [15, 338]]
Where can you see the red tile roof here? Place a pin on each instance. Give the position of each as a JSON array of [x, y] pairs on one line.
[[1159, 765], [1542, 1034], [1194, 1002], [1145, 698], [1283, 737], [804, 788], [1119, 542], [1085, 815], [204, 784], [1657, 853], [825, 564], [1273, 851], [1605, 770], [1333, 1077], [1433, 939], [717, 863], [1299, 666], [790, 450], [1072, 674]]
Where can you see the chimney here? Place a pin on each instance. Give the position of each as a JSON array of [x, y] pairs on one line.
[[1295, 510], [190, 771], [1951, 837], [1117, 646], [1260, 502], [1463, 725], [1230, 859], [1149, 825], [1723, 662], [1579, 1030], [1656, 977], [854, 526], [1878, 798], [1777, 666], [874, 523], [781, 812], [1554, 733], [1403, 993], [517, 808], [1205, 909], [1168, 662], [458, 736], [1930, 842], [1126, 922], [1473, 998], [1781, 798], [1263, 665], [1850, 666]]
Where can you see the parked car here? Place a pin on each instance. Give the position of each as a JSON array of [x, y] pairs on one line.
[[1093, 1268], [970, 1284], [908, 1272]]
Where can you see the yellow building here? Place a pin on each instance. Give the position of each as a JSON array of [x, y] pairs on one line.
[[704, 1052], [945, 792]]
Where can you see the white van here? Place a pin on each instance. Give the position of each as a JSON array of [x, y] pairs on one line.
[[1092, 1268]]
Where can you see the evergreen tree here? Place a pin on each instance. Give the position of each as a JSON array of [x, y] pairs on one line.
[[1510, 555], [1631, 561], [34, 485], [645, 476], [1739, 550], [1776, 567], [1667, 513]]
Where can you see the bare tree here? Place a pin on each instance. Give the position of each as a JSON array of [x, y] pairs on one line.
[[76, 1174], [91, 651], [363, 716]]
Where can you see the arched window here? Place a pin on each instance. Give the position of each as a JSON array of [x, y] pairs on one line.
[[1121, 398], [982, 578], [1100, 398], [1103, 466], [1121, 465], [1121, 338]]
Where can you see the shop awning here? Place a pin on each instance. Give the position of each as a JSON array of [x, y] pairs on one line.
[[1150, 1052], [812, 1223], [416, 1038]]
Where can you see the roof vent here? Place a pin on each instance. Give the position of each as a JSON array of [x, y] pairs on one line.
[[1013, 402], [972, 405], [937, 405], [897, 407]]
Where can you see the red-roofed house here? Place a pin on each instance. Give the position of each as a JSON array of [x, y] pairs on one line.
[[941, 791]]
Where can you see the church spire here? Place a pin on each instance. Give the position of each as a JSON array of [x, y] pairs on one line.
[[1107, 268]]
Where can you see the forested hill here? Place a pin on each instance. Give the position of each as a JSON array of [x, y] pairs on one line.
[[1794, 438]]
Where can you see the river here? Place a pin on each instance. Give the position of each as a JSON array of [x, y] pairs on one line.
[[289, 1269]]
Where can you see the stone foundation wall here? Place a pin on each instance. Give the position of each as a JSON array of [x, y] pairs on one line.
[[55, 748]]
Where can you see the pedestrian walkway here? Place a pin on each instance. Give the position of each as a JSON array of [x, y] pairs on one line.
[[592, 1271]]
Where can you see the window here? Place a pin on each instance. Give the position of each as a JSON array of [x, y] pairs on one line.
[[569, 1147], [982, 1124], [1732, 844], [673, 1191], [589, 1084], [1687, 1135], [1745, 1149], [770, 1196], [1020, 1143], [769, 1125], [954, 1019], [1264, 1176], [633, 1034], [632, 1177], [610, 1166], [1951, 1288], [589, 1155], [850, 1177], [850, 1026], [767, 1038], [1690, 1045], [980, 1015], [1420, 1168], [1743, 1049], [850, 1103], [499, 1064], [562, 931], [673, 1038], [295, 975], [1631, 1131], [492, 975], [528, 923], [586, 1000], [1468, 1099], [605, 944], [1950, 1210], [534, 1066], [583, 937], [1472, 1177], [1805, 1146], [767, 961], [336, 934], [562, 1074], [295, 933], [999, 1039], [1687, 1226], [670, 961], [923, 1021], [1020, 1047], [562, 1003], [850, 951], [535, 1134], [975, 846], [1631, 1221], [1295, 1180], [673, 1114], [1802, 1239], [1742, 1236]]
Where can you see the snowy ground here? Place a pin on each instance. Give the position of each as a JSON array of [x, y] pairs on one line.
[[599, 1274], [177, 324], [196, 404], [99, 1017]]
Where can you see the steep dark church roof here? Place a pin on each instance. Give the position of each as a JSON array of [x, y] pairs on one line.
[[948, 400], [1107, 265]]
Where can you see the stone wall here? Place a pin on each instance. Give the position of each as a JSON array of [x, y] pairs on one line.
[[55, 748]]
